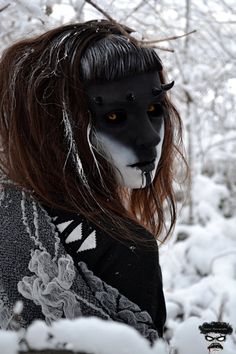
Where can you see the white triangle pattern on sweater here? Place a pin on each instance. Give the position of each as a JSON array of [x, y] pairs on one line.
[[62, 226], [89, 243], [75, 235]]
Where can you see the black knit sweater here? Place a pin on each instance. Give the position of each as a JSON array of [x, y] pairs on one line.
[[133, 270]]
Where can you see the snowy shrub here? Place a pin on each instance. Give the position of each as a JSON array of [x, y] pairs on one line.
[[88, 335]]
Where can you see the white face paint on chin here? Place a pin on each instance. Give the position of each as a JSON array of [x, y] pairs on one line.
[[121, 157]]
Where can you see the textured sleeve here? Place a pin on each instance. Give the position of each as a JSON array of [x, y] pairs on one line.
[[15, 249], [116, 263]]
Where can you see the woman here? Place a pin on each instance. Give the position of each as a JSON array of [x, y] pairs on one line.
[[89, 138]]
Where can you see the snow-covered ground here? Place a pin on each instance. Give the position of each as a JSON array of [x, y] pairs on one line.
[[89, 335]]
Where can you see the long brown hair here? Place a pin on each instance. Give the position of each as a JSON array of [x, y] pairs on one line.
[[44, 123]]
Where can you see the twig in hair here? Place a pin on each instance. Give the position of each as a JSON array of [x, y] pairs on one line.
[[168, 38], [163, 48], [121, 28], [130, 37]]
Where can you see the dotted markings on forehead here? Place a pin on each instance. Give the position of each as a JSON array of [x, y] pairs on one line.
[[98, 100], [130, 97]]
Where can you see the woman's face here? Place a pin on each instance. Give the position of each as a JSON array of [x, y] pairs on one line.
[[128, 116]]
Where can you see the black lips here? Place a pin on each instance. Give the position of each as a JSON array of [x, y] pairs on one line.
[[143, 163]]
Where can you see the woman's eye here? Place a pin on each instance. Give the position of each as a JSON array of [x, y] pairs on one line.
[[112, 116], [151, 108], [115, 117], [155, 110]]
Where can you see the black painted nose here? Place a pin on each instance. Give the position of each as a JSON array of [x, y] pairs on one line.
[[147, 136]]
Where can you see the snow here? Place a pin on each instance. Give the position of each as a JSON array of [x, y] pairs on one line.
[[208, 191], [91, 335], [8, 342], [18, 307]]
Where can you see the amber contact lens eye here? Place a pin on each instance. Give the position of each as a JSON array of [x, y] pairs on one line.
[[112, 116], [116, 117], [151, 108]]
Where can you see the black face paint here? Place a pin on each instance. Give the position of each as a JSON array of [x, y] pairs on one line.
[[128, 115]]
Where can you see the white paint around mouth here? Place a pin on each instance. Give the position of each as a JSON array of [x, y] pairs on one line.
[[122, 157]]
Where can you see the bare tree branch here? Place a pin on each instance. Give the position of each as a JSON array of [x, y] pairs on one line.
[[4, 7], [218, 143], [138, 42], [100, 10], [121, 28], [141, 4], [168, 38], [163, 48]]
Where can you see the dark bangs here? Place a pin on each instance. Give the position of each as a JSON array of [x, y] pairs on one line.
[[115, 57]]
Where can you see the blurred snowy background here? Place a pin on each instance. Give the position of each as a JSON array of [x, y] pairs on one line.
[[199, 262]]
